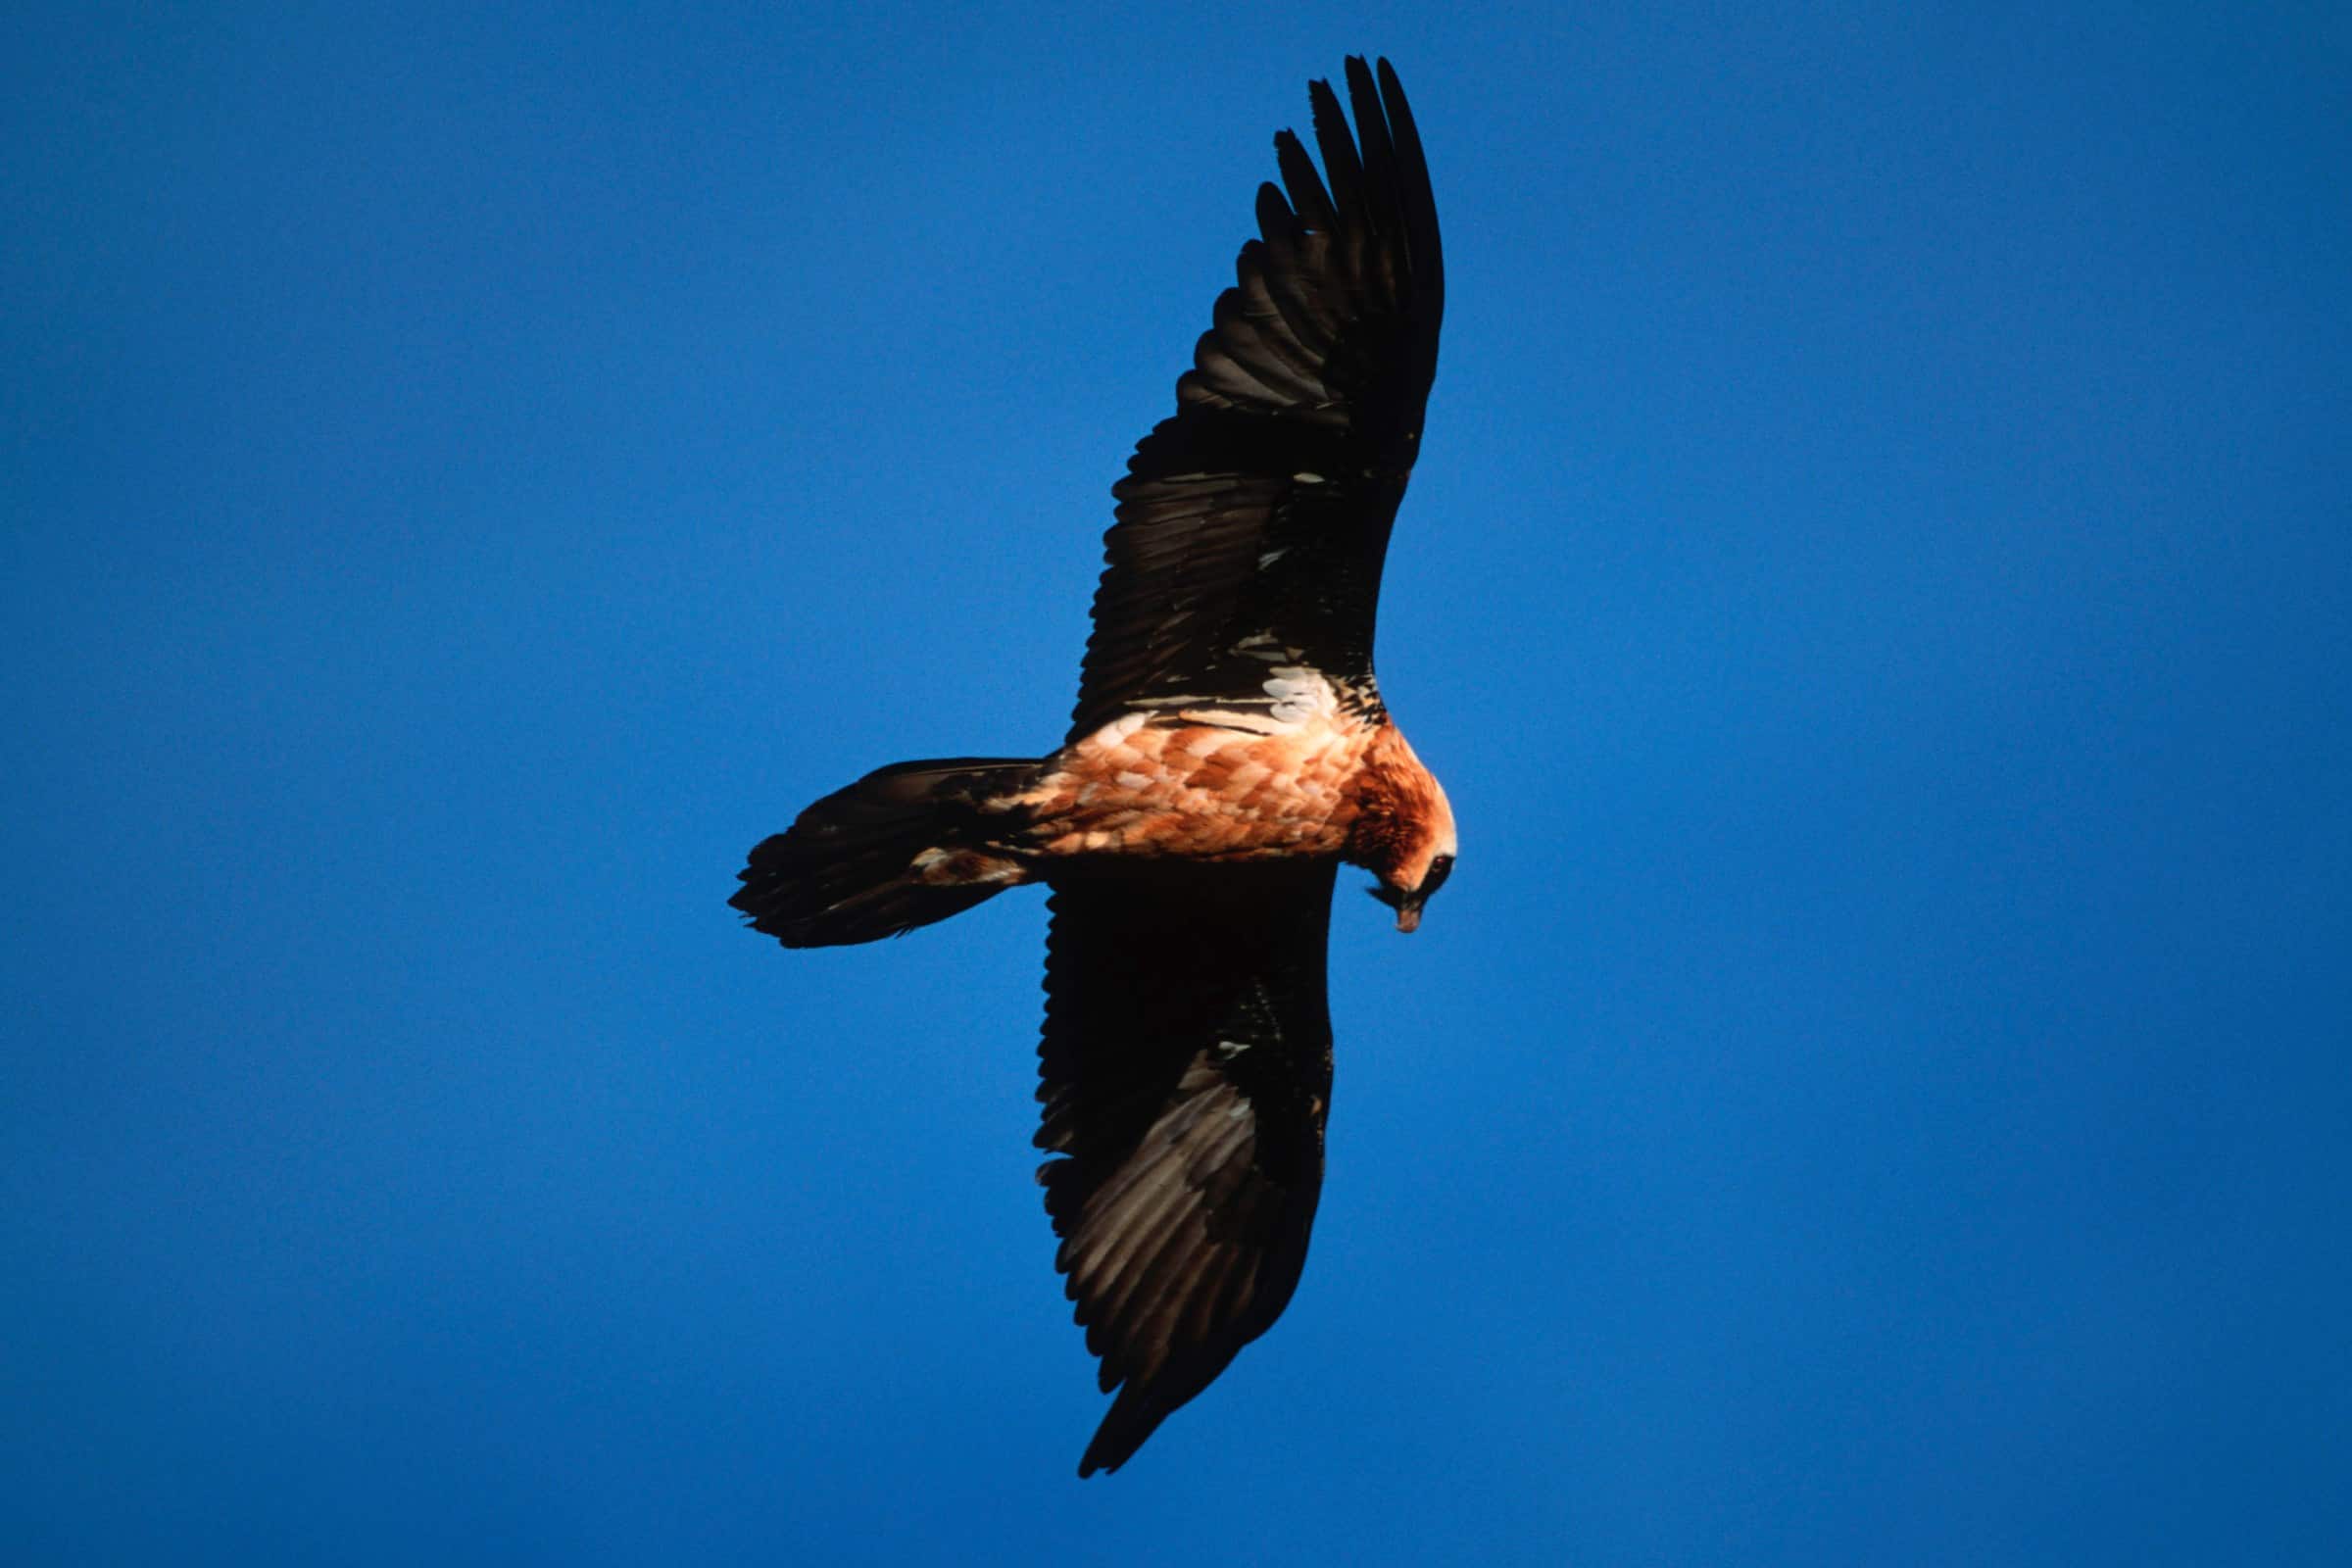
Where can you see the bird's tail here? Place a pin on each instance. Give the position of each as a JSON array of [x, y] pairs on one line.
[[902, 847]]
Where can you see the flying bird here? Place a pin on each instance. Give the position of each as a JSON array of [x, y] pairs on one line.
[[1229, 751]]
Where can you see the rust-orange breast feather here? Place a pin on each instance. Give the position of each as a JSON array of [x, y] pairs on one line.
[[1200, 790]]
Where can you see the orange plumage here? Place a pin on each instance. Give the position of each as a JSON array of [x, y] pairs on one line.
[[1143, 787]]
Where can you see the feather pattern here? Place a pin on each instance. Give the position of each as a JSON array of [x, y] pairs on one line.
[[1185, 1073], [1229, 751], [1262, 509]]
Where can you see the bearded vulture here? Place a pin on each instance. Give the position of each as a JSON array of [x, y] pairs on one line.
[[1229, 750]]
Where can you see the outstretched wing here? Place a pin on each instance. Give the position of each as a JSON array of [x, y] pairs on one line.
[[1185, 1068], [1252, 525]]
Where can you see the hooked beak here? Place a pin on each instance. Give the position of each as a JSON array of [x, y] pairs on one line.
[[1406, 904]]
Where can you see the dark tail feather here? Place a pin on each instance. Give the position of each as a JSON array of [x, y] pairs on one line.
[[847, 872]]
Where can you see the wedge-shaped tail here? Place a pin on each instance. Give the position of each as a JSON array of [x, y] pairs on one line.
[[902, 847]]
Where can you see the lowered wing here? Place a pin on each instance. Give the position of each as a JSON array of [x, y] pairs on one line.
[[1185, 1068], [1252, 525]]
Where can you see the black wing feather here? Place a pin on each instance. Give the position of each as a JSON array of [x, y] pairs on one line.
[[1186, 1069], [1252, 525]]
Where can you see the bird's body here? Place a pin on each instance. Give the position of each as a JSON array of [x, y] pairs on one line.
[[1229, 750], [1197, 786], [1146, 786]]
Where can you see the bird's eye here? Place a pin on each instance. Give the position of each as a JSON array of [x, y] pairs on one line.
[[1439, 870]]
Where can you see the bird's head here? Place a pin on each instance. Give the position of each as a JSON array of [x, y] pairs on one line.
[[1418, 856], [1407, 900]]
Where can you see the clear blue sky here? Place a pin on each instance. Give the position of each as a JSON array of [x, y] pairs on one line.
[[1878, 590]]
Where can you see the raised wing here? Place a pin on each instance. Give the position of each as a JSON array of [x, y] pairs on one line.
[[1185, 1068], [1252, 525]]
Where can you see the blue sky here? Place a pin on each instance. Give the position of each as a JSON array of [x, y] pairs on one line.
[[1878, 590]]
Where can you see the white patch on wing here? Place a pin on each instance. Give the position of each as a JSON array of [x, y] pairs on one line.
[[1272, 556], [1299, 693], [1306, 477]]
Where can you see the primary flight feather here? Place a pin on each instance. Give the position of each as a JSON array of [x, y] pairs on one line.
[[1229, 750]]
